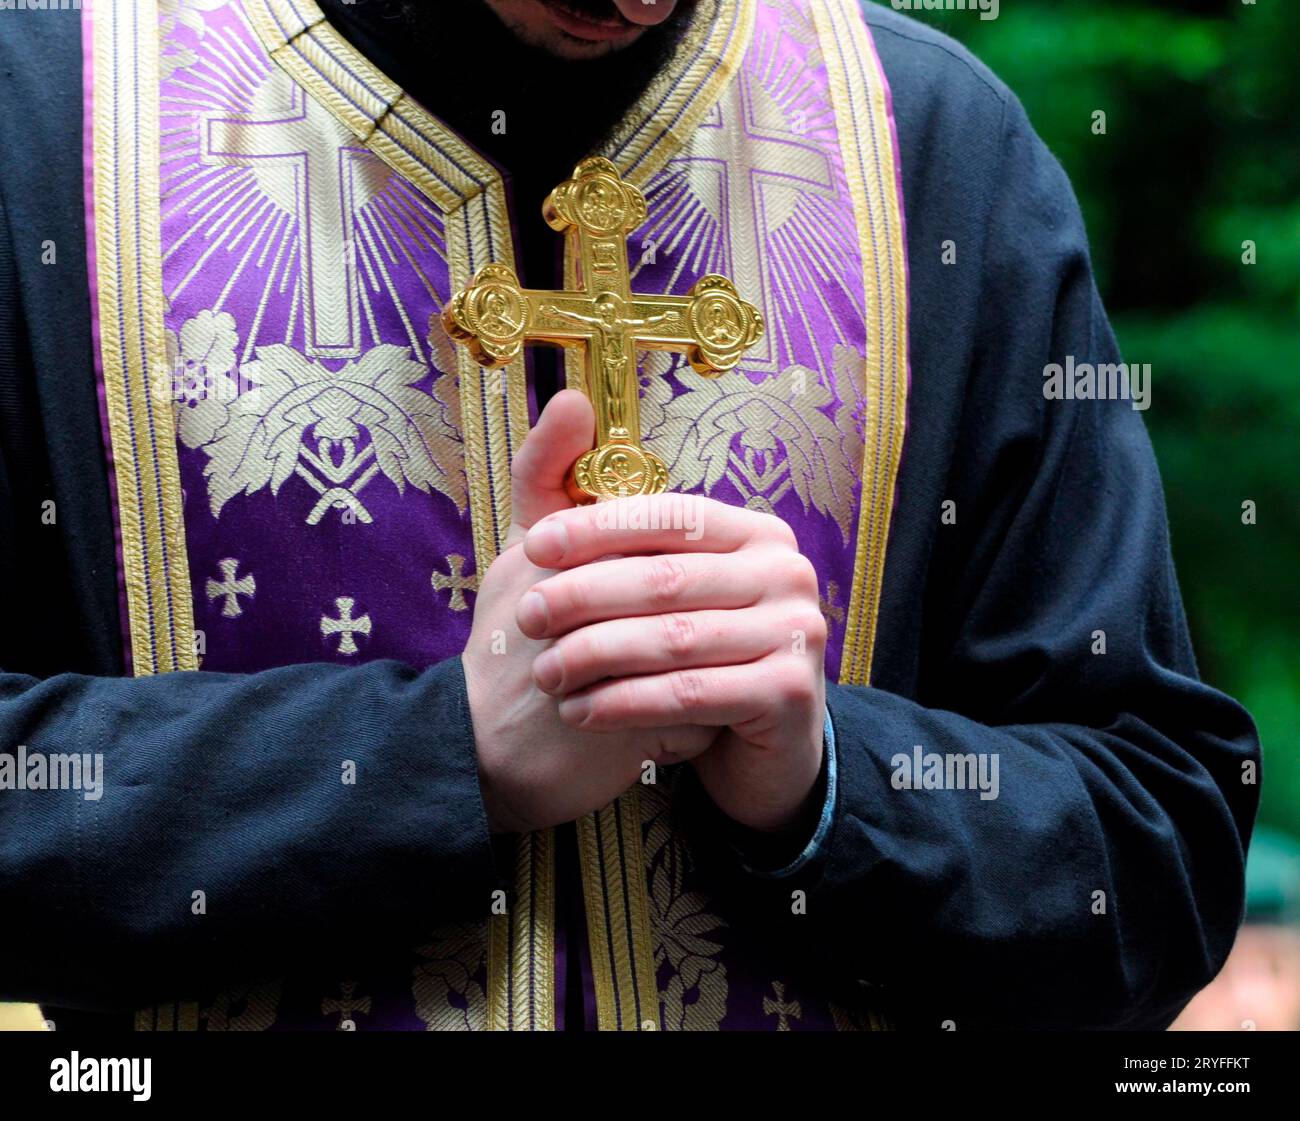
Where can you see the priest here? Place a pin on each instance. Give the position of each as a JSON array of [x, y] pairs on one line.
[[396, 732]]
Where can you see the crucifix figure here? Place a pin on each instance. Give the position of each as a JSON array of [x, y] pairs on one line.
[[711, 324]]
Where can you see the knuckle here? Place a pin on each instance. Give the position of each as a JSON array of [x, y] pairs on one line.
[[679, 634], [777, 530], [688, 690], [665, 579], [790, 573], [795, 688], [811, 623], [590, 649], [566, 596], [819, 631], [614, 705], [577, 654], [801, 576]]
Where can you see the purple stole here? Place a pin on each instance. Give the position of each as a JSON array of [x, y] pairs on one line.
[[305, 468]]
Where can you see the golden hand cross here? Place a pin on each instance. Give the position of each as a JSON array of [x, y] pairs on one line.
[[712, 325]]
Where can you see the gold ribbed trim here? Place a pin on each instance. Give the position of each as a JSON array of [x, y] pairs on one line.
[[521, 943], [619, 930], [132, 343], [858, 93], [181, 1015], [665, 117]]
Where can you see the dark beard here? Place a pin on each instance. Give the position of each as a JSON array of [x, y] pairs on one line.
[[463, 64], [468, 48], [474, 20]]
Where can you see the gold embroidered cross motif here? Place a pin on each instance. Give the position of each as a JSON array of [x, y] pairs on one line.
[[345, 625], [231, 589], [321, 185], [781, 1008], [457, 581], [712, 325]]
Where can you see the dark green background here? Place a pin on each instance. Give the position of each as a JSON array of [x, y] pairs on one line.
[[1201, 153]]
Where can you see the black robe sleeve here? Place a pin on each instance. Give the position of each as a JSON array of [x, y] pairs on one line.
[[322, 811], [1103, 886]]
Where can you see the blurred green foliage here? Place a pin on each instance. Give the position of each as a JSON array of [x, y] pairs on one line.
[[1201, 153]]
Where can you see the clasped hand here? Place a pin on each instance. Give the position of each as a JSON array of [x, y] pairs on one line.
[[662, 628]]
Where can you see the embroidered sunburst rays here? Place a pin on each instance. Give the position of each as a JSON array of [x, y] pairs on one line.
[[757, 197], [288, 238], [261, 185]]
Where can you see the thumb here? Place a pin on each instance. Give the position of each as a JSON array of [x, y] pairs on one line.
[[564, 431]]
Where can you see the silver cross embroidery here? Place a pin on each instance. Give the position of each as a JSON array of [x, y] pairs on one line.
[[231, 588], [345, 625]]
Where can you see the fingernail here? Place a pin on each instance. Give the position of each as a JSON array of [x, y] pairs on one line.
[[532, 614], [547, 543], [574, 710], [548, 670]]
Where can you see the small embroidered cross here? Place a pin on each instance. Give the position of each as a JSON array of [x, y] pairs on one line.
[[781, 1008], [345, 625], [457, 582], [231, 588]]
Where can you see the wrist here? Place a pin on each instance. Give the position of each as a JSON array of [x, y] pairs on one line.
[[770, 848], [783, 852]]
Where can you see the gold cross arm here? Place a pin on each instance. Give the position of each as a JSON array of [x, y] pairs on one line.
[[495, 317]]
